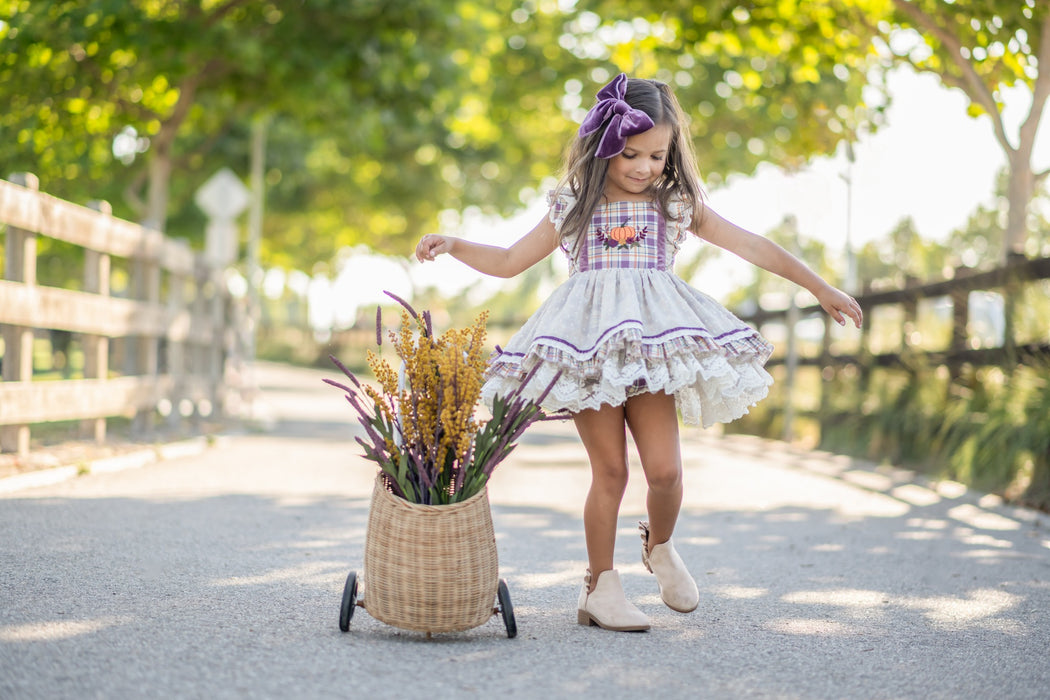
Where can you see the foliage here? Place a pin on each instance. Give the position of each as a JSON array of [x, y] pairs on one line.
[[984, 232], [420, 423], [901, 254], [983, 49], [812, 251], [384, 117], [987, 428], [381, 115], [763, 81]]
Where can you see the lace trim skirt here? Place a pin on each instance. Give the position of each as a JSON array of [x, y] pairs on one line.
[[664, 336]]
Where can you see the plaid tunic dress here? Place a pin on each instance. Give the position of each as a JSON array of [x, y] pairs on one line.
[[624, 323]]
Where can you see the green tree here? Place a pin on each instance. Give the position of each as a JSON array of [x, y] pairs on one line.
[[762, 81], [984, 231], [901, 253], [984, 49], [763, 283], [379, 109]]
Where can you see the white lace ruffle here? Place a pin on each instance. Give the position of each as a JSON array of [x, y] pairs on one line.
[[663, 335]]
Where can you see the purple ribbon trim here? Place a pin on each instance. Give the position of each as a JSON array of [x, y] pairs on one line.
[[602, 337]]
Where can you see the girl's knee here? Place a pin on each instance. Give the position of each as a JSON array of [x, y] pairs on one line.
[[664, 477], [611, 478]]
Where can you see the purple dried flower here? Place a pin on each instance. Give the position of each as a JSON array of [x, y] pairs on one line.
[[403, 303], [427, 324], [345, 371], [550, 386], [337, 385]]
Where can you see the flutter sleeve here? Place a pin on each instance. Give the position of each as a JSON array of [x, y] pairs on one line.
[[681, 213], [561, 202]]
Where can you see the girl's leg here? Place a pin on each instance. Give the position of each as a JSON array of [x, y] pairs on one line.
[[605, 439], [653, 420]]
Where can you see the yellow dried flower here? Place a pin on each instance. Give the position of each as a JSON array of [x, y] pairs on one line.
[[383, 372]]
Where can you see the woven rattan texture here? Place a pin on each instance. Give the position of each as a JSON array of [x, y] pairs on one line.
[[430, 568]]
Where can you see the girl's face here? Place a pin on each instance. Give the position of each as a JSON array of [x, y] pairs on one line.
[[641, 163]]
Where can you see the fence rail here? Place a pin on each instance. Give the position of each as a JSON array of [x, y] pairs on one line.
[[163, 346], [1010, 280]]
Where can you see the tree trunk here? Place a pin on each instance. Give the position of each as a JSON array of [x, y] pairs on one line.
[[1019, 191], [161, 148], [159, 181]]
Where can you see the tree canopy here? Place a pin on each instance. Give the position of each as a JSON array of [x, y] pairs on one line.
[[983, 49], [388, 117]]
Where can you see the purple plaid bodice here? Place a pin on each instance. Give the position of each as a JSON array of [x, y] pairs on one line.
[[622, 235]]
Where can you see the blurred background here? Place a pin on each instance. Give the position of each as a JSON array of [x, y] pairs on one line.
[[895, 145]]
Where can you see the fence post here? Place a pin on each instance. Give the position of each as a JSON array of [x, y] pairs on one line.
[[199, 353], [19, 266], [96, 347], [910, 308], [960, 318], [864, 355], [176, 347], [827, 375], [145, 281], [217, 348], [1012, 290], [790, 366]]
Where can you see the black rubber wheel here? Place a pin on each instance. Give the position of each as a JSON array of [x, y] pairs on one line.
[[506, 609], [346, 611]]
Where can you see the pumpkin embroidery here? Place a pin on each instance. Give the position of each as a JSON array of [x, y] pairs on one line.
[[622, 236]]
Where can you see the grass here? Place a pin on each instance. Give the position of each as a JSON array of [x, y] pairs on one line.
[[986, 427]]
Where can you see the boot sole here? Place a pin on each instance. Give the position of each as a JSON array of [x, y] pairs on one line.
[[681, 610], [587, 620]]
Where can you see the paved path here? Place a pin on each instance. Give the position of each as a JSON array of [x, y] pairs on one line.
[[219, 576]]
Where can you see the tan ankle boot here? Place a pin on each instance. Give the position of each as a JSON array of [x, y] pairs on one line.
[[608, 607], [677, 587]]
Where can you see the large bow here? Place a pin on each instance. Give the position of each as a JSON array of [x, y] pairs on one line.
[[623, 119]]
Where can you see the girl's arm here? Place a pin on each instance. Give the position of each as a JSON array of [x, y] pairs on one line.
[[493, 260], [769, 256]]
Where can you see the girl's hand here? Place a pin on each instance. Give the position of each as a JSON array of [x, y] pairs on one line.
[[432, 245], [840, 306]]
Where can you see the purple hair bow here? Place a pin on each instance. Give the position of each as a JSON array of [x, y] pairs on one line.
[[623, 119]]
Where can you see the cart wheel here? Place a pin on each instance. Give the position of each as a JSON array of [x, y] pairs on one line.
[[349, 602], [506, 609]]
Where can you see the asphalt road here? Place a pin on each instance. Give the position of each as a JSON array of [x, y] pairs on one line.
[[219, 575]]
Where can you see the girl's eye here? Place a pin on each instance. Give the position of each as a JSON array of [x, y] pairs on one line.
[[629, 157]]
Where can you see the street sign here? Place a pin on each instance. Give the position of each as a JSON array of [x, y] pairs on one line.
[[223, 196]]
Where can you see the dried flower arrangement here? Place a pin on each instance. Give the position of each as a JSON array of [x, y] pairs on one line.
[[420, 423]]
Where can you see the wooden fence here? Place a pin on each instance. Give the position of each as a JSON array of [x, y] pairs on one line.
[[961, 347], [160, 350]]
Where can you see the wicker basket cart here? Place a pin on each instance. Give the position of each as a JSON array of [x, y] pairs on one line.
[[429, 568], [430, 551]]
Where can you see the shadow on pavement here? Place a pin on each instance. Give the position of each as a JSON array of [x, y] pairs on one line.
[[239, 594]]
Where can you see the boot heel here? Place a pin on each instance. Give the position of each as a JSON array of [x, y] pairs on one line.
[[607, 607]]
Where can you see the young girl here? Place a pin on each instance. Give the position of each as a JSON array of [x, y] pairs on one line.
[[635, 344]]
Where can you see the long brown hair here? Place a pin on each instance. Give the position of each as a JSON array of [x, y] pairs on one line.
[[585, 174]]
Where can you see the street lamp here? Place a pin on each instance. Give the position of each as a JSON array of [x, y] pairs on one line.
[[851, 258]]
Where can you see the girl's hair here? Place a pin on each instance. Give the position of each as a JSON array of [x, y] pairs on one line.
[[585, 174]]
